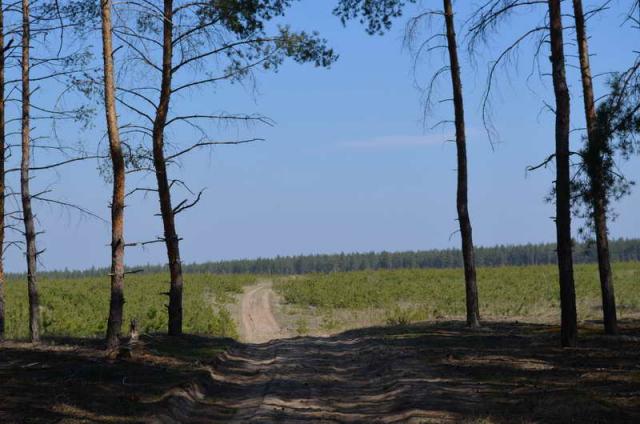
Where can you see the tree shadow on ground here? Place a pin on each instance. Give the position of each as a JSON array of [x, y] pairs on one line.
[[71, 380], [438, 372], [433, 372]]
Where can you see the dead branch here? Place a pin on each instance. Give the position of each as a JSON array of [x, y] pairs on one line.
[[212, 143], [55, 165], [182, 206]]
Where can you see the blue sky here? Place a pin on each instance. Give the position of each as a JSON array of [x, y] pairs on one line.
[[350, 165]]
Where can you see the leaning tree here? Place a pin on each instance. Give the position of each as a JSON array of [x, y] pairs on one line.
[[183, 47], [616, 127], [378, 15], [36, 55], [2, 169], [601, 182], [611, 135], [569, 325], [114, 324], [596, 152], [485, 21]]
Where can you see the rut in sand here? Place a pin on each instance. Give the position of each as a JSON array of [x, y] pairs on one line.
[[422, 373], [258, 323]]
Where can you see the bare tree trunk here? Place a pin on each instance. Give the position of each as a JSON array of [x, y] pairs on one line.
[[596, 177], [569, 327], [114, 325], [473, 313], [29, 225], [2, 179], [164, 190], [604, 262]]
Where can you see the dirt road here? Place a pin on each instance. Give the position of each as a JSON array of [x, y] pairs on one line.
[[258, 323], [416, 374], [421, 373]]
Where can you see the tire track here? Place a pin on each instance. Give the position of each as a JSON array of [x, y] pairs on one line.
[[258, 323]]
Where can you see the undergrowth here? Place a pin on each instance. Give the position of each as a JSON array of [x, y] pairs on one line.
[[79, 307], [409, 295]]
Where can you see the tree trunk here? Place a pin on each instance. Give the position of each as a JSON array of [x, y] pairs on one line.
[[569, 327], [604, 263], [473, 313], [29, 225], [2, 179], [596, 177], [164, 190], [114, 324]]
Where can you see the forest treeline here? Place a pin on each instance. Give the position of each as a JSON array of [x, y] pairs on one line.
[[622, 250]]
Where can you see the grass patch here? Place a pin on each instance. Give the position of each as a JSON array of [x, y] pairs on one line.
[[403, 296], [302, 327]]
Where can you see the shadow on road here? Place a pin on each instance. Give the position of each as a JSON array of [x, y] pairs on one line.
[[424, 373], [435, 372]]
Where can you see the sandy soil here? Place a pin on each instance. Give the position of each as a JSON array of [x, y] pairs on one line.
[[258, 324], [440, 372], [422, 373], [64, 380]]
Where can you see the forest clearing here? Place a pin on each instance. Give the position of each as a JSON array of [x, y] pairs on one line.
[[418, 364], [350, 211], [319, 304]]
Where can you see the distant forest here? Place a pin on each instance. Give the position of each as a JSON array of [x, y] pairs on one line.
[[528, 254]]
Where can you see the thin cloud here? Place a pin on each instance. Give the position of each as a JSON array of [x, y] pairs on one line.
[[397, 141]]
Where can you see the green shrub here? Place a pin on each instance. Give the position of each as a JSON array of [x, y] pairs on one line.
[[79, 307], [525, 291]]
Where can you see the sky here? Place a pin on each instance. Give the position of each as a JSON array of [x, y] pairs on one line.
[[351, 164]]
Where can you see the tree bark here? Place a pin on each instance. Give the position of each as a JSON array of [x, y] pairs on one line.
[[2, 167], [164, 191], [596, 177], [473, 313], [114, 324], [27, 212], [569, 327]]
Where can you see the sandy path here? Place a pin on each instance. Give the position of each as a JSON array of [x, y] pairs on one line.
[[258, 323], [424, 373], [358, 377]]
